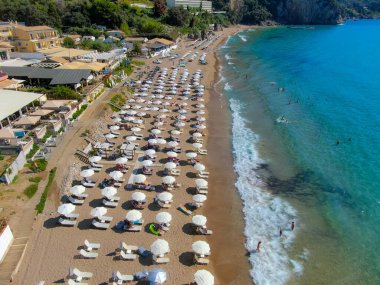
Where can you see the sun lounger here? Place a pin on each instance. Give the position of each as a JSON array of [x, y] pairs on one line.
[[134, 228], [127, 256], [90, 245], [76, 274], [160, 260], [88, 184], [113, 198], [115, 133], [73, 282], [68, 223], [203, 231], [75, 201], [81, 196], [86, 254], [105, 219], [96, 169], [97, 165], [117, 276], [201, 260], [109, 204], [72, 216], [165, 205], [117, 184], [99, 225], [138, 135], [202, 191], [128, 248], [175, 172], [202, 151]]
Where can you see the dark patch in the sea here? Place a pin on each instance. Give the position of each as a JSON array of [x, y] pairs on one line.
[[273, 37], [307, 184]]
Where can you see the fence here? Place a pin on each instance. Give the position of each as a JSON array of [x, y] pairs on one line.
[[14, 168]]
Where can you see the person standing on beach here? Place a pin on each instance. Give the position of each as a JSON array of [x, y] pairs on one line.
[[258, 247], [280, 232], [292, 226]]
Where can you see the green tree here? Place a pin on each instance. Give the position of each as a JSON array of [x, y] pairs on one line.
[[159, 8], [137, 47], [68, 42], [178, 16], [151, 26], [125, 28]]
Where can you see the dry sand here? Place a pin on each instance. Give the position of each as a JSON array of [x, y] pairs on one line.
[[53, 249]]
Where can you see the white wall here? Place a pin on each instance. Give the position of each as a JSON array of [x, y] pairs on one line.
[[6, 240]]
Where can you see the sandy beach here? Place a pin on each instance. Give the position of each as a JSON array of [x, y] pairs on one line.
[[53, 249]]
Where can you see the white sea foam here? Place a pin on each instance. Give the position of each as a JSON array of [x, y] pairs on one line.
[[227, 86], [243, 38], [227, 56], [264, 213]]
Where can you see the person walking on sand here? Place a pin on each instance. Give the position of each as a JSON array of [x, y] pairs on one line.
[[258, 247], [280, 232], [292, 226]]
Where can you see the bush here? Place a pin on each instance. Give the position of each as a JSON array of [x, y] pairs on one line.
[[33, 151], [31, 190], [80, 111], [41, 205], [119, 100], [38, 165]]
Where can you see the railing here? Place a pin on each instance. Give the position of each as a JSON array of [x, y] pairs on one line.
[[40, 133]]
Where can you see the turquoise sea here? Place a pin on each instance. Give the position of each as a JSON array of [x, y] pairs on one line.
[[319, 166]]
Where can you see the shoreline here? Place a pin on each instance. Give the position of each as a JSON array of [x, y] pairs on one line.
[[225, 207]]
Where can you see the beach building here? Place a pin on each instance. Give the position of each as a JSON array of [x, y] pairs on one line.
[[159, 46], [206, 5], [35, 38], [74, 78], [5, 50], [116, 33], [11, 84], [112, 58]]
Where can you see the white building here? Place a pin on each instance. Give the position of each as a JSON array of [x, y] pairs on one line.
[[206, 5]]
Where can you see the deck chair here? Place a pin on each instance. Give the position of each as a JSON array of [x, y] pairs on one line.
[[117, 276], [127, 256], [105, 219], [128, 248], [96, 169], [202, 151], [76, 274], [98, 225], [81, 196], [201, 260], [109, 204], [75, 201], [89, 246], [165, 205], [134, 228], [67, 223], [89, 255], [88, 184], [72, 216], [73, 282], [97, 165], [175, 172], [160, 260]]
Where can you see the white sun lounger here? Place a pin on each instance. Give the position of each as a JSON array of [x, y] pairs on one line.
[[202, 151], [175, 172], [73, 282], [91, 245], [110, 204], [127, 256], [78, 275], [99, 225], [65, 222], [75, 201], [105, 219], [128, 248], [165, 205], [201, 260], [117, 276], [134, 228], [160, 260], [86, 254], [72, 216], [88, 184], [81, 196]]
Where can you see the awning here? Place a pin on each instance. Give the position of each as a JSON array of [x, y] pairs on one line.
[[28, 120]]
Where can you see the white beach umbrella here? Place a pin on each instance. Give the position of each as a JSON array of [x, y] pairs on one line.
[[114, 128], [199, 220], [201, 127], [191, 155], [150, 152], [199, 198], [117, 175], [158, 124], [155, 131], [129, 118], [152, 141], [131, 112], [109, 191], [161, 141], [159, 247], [131, 138], [116, 120], [165, 196], [181, 117], [87, 173], [121, 160], [133, 215], [168, 180], [197, 135], [182, 111], [200, 119], [201, 247], [141, 114], [95, 158], [110, 136], [139, 178], [172, 144], [170, 165], [105, 145], [204, 277], [201, 183], [138, 196], [138, 121], [172, 154], [161, 116], [163, 217], [147, 163], [157, 276], [66, 209], [77, 189], [136, 129], [155, 109], [175, 132], [197, 145], [199, 167], [180, 124], [200, 106], [98, 212]]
